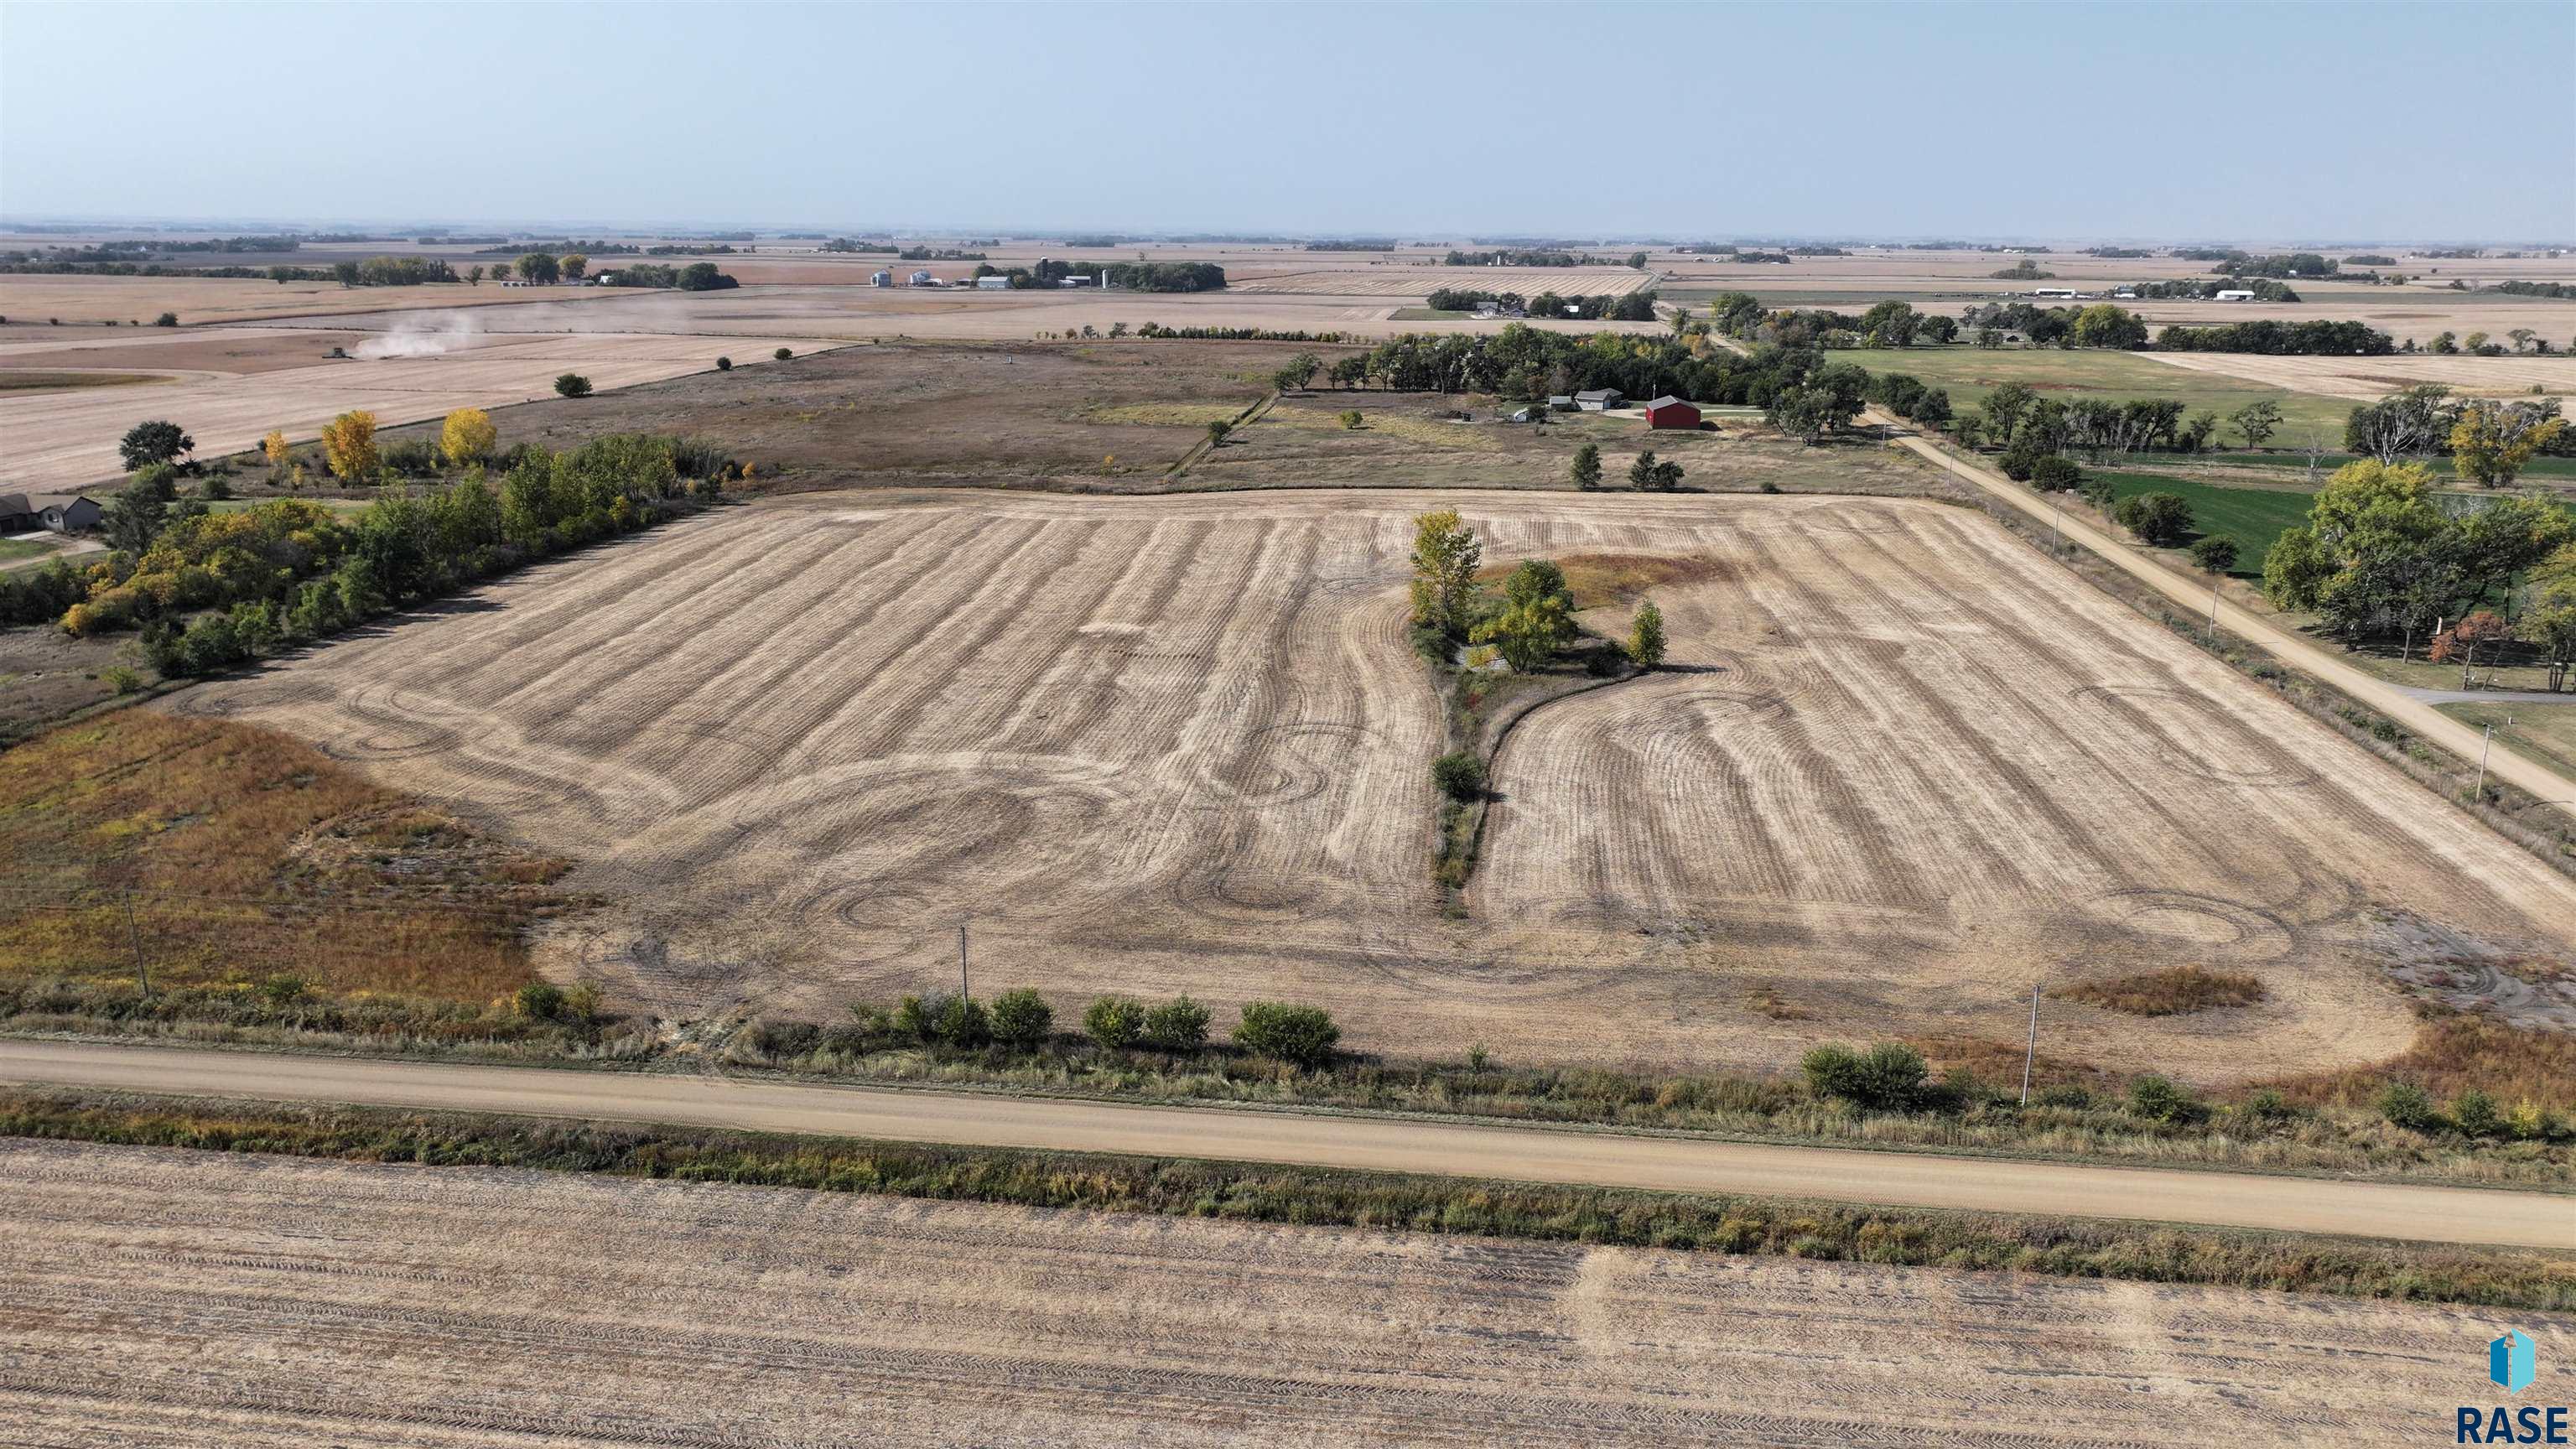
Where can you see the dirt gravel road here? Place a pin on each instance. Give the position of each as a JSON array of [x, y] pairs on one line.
[[2289, 648], [1379, 1144], [161, 1298]]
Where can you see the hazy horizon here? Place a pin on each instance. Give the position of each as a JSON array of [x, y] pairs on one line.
[[2331, 124]]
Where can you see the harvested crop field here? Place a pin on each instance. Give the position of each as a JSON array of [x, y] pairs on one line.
[[1420, 282], [1903, 768], [174, 1298], [2368, 379], [65, 440]]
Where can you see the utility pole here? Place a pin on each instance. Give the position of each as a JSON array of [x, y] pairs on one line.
[[2030, 1053], [134, 939], [2213, 608], [962, 988]]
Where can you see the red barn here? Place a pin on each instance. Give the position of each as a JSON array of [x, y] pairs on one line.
[[1671, 412]]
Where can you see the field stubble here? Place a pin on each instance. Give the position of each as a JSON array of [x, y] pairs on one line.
[[1179, 745], [181, 1298]]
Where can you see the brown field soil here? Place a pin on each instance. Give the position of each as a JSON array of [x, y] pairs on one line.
[[46, 674], [248, 855], [1902, 769], [137, 300], [74, 381], [2368, 379], [861, 313], [191, 1299], [69, 440], [1416, 283], [194, 349], [1023, 414]]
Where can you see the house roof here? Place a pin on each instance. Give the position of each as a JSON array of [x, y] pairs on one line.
[[1599, 392], [1668, 400], [37, 502]]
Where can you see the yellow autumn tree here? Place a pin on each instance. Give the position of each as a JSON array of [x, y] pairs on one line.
[[468, 436], [349, 446], [274, 445]]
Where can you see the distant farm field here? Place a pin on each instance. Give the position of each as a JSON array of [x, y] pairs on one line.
[[1181, 744], [65, 440], [2367, 379], [1969, 373]]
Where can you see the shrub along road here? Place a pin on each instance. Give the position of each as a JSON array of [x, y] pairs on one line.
[[2298, 653], [1383, 1144]]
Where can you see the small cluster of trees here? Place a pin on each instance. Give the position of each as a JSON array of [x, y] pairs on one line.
[[1618, 307], [1527, 622], [1893, 1077], [1021, 1019], [695, 277], [2381, 557], [288, 571], [1509, 257], [2489, 442]]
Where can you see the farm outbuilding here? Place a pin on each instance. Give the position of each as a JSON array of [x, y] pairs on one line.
[[1600, 399], [881, 279], [921, 278], [2233, 295], [1671, 412], [61, 512], [992, 284]]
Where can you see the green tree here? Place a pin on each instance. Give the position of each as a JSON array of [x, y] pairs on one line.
[[1888, 1077], [1178, 1025], [1021, 1018], [1446, 555], [539, 267], [1302, 1036], [1649, 475], [1460, 775], [1586, 471], [783, 354], [2214, 554], [1536, 620], [1350, 420], [1646, 636], [1115, 1022], [2005, 406], [2160, 519], [2158, 1099], [2257, 421], [2492, 441], [572, 384], [1217, 431], [145, 444], [136, 513]]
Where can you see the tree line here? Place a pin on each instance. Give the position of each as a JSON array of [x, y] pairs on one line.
[[271, 577], [1614, 307]]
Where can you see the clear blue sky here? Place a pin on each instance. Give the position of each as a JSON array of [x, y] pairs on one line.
[[2254, 122]]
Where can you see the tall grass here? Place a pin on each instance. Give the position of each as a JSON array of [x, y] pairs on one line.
[[201, 852]]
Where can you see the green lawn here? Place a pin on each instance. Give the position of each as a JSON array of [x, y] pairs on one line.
[[2545, 732], [2327, 462], [2254, 517], [1969, 373], [1432, 314], [12, 550]]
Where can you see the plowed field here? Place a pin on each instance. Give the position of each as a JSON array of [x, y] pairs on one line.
[[1903, 769], [166, 1298]]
